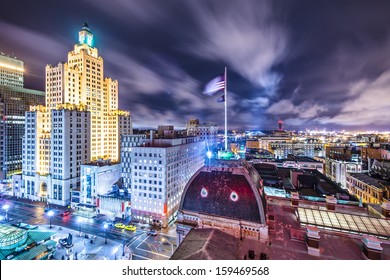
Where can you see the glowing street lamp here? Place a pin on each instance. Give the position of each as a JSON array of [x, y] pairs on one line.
[[6, 207], [50, 214], [105, 227]]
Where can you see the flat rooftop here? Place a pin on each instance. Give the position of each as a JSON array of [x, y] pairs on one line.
[[288, 239], [369, 180]]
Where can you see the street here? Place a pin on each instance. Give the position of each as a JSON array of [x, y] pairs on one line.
[[141, 245]]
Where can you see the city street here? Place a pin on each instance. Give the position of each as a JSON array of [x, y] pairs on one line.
[[141, 245]]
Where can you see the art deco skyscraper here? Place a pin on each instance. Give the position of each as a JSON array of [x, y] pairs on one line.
[[81, 81], [76, 90]]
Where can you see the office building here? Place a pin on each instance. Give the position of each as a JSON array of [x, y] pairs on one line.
[[205, 131], [53, 152], [127, 143], [309, 148], [11, 71], [14, 101], [81, 123], [337, 170], [159, 171], [81, 81]]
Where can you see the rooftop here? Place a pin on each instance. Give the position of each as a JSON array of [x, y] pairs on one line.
[[205, 244], [224, 193], [369, 180]]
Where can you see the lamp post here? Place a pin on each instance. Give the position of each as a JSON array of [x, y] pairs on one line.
[[105, 227], [50, 214], [6, 207], [114, 251], [79, 220]]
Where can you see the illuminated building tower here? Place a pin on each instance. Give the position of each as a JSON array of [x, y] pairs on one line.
[[280, 125], [77, 90], [14, 101], [81, 81]]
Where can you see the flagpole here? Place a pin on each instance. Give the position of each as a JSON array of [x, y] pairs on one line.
[[226, 137]]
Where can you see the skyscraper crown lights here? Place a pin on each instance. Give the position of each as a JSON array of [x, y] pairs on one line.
[[86, 36]]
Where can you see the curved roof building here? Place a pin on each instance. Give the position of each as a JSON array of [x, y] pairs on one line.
[[227, 193], [224, 198], [17, 243]]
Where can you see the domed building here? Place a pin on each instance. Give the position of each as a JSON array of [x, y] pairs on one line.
[[226, 198], [25, 243]]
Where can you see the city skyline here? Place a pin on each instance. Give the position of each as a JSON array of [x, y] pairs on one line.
[[314, 65]]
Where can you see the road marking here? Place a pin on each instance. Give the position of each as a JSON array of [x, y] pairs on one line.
[[136, 239], [142, 242]]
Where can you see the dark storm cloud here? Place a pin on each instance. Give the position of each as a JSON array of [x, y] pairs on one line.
[[311, 63]]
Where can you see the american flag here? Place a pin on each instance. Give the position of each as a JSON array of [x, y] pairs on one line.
[[221, 98], [215, 85]]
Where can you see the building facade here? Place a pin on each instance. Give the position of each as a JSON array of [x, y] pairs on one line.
[[80, 81], [158, 171], [207, 132], [283, 149], [266, 141], [54, 151], [80, 123], [367, 189], [337, 170], [14, 101], [11, 71], [127, 144]]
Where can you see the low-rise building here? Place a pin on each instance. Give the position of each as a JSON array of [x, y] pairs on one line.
[[337, 170], [368, 189]]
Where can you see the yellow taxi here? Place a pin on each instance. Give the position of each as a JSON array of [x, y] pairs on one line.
[[119, 225], [130, 227]]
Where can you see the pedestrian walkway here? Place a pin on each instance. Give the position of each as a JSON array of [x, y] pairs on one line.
[[85, 249]]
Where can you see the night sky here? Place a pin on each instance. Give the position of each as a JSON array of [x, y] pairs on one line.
[[314, 64]]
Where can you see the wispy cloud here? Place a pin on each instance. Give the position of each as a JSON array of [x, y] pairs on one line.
[[244, 35], [369, 104], [43, 48]]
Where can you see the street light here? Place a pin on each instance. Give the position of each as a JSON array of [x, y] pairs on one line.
[[79, 220], [166, 240], [6, 207], [50, 214], [105, 227]]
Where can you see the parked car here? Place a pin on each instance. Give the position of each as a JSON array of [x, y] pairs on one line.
[[152, 232]]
